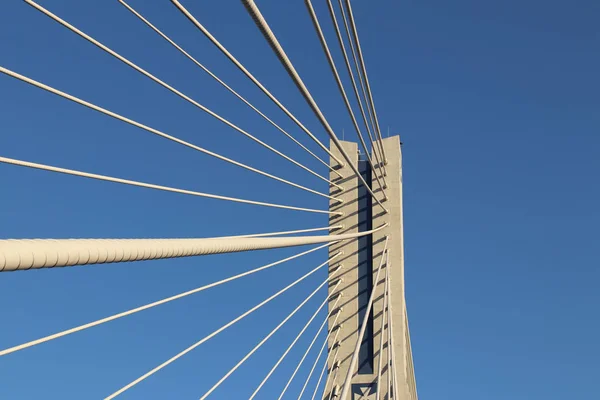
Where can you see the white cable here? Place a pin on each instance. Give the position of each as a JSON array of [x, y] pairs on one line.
[[178, 93], [338, 80], [23, 254], [261, 23], [364, 72], [337, 312], [338, 33], [331, 374], [269, 335], [73, 172], [360, 80], [337, 332], [216, 332], [320, 377], [155, 131], [150, 305], [289, 348], [391, 344], [253, 79], [215, 77], [383, 320], [255, 235], [363, 327]]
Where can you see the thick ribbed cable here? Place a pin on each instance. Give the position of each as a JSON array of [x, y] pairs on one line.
[[253, 79], [381, 330], [155, 131], [173, 90], [216, 332], [337, 314], [269, 335], [376, 148], [363, 327], [150, 305], [289, 348], [239, 96], [364, 72], [340, 86], [360, 79], [261, 23], [47, 253], [317, 360], [73, 172]]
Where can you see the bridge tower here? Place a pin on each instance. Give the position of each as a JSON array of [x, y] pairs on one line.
[[381, 364]]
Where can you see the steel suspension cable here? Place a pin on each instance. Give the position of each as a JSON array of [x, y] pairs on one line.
[[219, 330], [363, 327], [381, 331], [393, 353], [289, 348], [360, 79], [167, 86], [73, 172], [318, 357], [376, 147], [255, 235], [48, 253], [156, 131], [269, 335], [363, 68], [215, 77], [190, 100], [320, 377], [241, 67], [330, 373], [340, 86], [151, 305], [261, 23], [337, 312]]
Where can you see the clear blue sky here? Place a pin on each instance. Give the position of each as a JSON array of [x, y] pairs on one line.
[[498, 105]]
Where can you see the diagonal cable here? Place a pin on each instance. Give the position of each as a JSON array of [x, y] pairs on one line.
[[216, 332], [215, 77]]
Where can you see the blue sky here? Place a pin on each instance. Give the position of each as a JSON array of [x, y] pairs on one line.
[[498, 107]]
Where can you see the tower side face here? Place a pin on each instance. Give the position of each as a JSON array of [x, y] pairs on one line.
[[395, 335]]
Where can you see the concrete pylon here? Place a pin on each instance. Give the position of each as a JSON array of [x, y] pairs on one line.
[[359, 266]]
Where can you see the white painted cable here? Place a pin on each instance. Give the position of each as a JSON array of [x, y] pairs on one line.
[[267, 337], [320, 377], [239, 96], [364, 72], [331, 373], [289, 348], [337, 329], [194, 21], [129, 182], [255, 235], [216, 332], [149, 305], [155, 131], [23, 254], [183, 96], [376, 148], [337, 312], [381, 331], [363, 327], [261, 23], [360, 78], [340, 86], [393, 352]]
